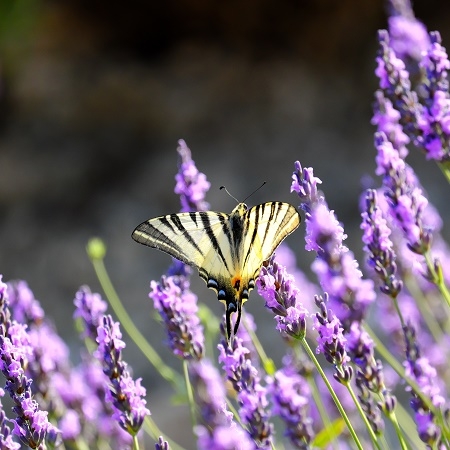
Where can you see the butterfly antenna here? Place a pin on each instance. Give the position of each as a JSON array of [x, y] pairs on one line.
[[256, 190], [232, 196]]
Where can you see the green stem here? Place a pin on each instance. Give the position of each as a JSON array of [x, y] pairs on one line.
[[126, 321], [189, 393], [445, 169], [372, 435], [341, 410], [135, 442]]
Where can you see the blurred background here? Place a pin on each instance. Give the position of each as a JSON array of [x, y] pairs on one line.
[[95, 95]]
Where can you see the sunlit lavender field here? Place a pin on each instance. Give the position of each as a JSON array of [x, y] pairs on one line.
[[363, 355]]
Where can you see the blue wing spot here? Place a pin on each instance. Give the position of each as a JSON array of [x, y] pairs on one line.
[[221, 295], [212, 284]]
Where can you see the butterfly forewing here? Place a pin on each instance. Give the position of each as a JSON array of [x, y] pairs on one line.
[[185, 236]]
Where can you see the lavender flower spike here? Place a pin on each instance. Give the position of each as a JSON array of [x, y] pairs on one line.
[[191, 184], [331, 340], [178, 308], [125, 394], [6, 439], [251, 395], [291, 398], [218, 430], [378, 246], [305, 184], [31, 425]]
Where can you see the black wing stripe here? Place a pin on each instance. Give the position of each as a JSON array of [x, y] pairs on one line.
[[272, 213], [157, 239], [213, 239], [255, 229], [177, 222]]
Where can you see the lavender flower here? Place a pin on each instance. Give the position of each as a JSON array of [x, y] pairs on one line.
[[369, 377], [6, 439], [409, 37], [191, 184], [218, 431], [26, 309], [125, 394], [5, 314], [177, 306], [379, 247], [251, 395], [331, 340], [434, 119], [90, 309], [171, 296], [31, 424], [291, 399], [419, 369], [278, 289], [162, 444], [305, 184], [396, 85]]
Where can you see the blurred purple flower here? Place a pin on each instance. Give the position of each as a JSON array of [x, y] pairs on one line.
[[191, 184], [218, 430], [419, 369], [162, 444], [291, 398], [90, 309], [251, 395], [24, 307], [125, 394], [177, 305], [434, 120], [409, 37]]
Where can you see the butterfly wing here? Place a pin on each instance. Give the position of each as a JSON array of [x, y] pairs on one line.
[[188, 237], [265, 227]]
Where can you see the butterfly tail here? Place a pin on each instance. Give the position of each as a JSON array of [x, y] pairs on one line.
[[232, 307]]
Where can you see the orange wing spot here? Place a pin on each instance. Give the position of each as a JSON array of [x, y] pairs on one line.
[[236, 282]]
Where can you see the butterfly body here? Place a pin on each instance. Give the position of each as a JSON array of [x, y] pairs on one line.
[[227, 249]]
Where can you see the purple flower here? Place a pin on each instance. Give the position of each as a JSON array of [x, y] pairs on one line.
[[70, 425], [6, 439], [251, 395], [90, 309], [162, 444], [378, 245], [419, 369], [291, 398], [218, 431], [191, 184], [125, 394], [278, 289], [177, 305], [331, 340], [434, 119], [396, 85], [405, 199], [305, 184], [409, 37], [24, 307], [31, 424], [369, 376]]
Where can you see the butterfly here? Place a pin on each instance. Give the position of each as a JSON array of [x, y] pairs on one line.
[[227, 249]]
